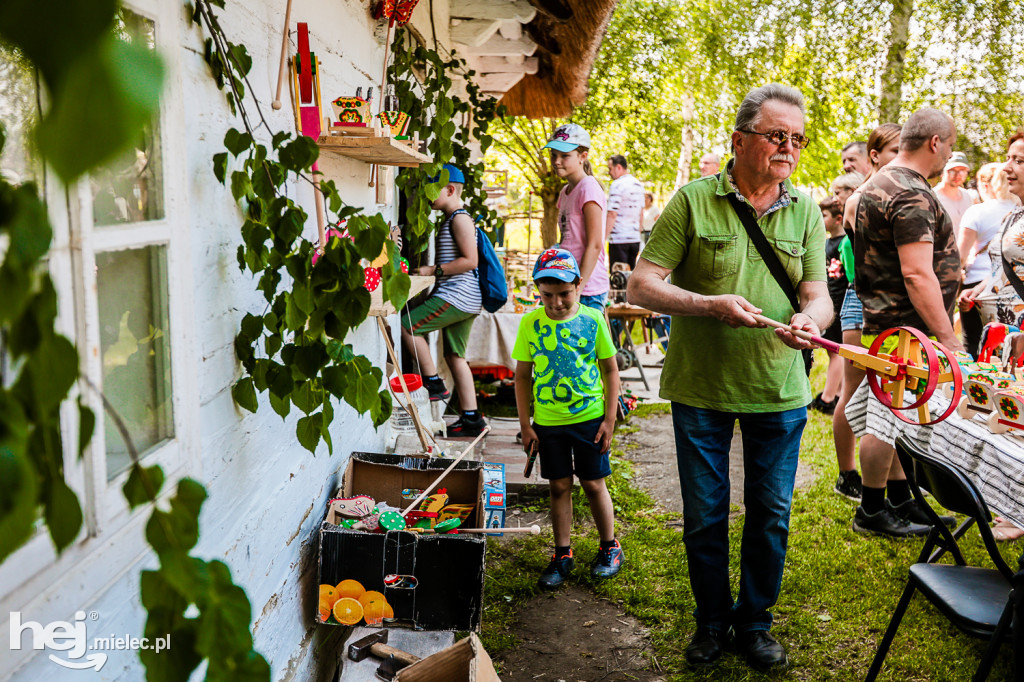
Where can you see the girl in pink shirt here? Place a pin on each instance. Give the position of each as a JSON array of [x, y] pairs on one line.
[[581, 211]]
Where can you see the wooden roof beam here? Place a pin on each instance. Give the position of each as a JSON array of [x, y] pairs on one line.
[[497, 46], [496, 10], [504, 64], [473, 32]]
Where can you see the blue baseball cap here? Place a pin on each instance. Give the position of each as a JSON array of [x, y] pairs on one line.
[[557, 263], [454, 175]]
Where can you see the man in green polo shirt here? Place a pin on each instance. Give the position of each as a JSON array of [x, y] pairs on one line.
[[722, 365]]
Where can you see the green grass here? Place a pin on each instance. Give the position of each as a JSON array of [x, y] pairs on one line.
[[838, 592]]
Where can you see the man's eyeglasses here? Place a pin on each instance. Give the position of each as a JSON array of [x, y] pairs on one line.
[[780, 137]]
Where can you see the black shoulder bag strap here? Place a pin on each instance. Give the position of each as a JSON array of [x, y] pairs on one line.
[[770, 259], [1015, 282]]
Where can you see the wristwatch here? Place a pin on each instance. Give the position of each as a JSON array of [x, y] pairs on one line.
[[438, 271]]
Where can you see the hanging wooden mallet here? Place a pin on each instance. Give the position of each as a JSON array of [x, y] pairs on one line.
[[276, 104], [437, 481]]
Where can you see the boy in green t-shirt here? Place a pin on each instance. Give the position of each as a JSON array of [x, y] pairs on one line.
[[566, 369]]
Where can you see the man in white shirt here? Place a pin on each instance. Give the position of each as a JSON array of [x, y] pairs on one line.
[[950, 190], [625, 213]]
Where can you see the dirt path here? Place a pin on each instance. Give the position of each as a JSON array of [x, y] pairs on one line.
[[573, 636]]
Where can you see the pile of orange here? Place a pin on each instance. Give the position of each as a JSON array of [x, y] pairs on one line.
[[349, 602]]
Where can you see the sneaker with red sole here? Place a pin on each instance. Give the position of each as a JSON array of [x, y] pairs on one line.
[[467, 427], [557, 571], [608, 561]]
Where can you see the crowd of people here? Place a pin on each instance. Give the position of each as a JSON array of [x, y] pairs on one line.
[[731, 252]]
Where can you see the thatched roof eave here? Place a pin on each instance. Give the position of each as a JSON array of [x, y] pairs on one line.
[[567, 50]]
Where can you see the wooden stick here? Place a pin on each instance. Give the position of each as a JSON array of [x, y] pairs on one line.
[[405, 389], [799, 333], [437, 481], [321, 216], [532, 530], [276, 104]]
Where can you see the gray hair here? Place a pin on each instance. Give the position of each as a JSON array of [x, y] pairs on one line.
[[850, 181], [750, 108], [860, 145], [924, 124]]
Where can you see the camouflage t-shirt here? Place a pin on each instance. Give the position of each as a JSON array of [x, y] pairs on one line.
[[897, 207]]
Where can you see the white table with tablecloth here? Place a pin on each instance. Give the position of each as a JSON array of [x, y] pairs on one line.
[[994, 463]]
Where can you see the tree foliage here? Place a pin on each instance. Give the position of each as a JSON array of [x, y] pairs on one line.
[[669, 67]]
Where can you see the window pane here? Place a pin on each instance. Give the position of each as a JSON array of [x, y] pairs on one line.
[[130, 188], [19, 111], [135, 349]]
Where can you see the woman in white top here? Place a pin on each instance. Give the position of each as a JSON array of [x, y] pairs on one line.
[[979, 225]]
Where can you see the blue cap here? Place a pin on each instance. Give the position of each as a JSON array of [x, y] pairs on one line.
[[454, 175], [557, 263]]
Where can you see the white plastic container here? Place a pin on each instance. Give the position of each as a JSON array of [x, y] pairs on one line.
[[401, 421]]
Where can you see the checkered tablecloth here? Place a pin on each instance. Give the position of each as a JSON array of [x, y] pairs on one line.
[[994, 463]]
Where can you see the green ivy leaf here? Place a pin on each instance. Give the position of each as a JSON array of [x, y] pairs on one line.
[[241, 186], [135, 489], [17, 495], [252, 326], [280, 405], [396, 289], [100, 107], [63, 514], [86, 425], [236, 141], [294, 317], [220, 166], [308, 431], [299, 154], [245, 394], [335, 379]]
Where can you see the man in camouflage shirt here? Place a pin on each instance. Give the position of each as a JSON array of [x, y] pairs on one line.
[[907, 274]]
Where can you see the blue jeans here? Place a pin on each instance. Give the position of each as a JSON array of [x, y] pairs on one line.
[[771, 446], [596, 301]]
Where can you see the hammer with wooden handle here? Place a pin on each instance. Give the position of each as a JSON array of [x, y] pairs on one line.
[[376, 645]]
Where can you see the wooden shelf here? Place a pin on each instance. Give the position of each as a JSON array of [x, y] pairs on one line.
[[378, 308], [383, 151]]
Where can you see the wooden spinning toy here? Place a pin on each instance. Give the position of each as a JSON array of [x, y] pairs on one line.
[[918, 364]]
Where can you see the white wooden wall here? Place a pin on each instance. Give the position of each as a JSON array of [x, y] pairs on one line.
[[266, 493]]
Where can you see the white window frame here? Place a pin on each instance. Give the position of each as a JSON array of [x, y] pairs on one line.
[[35, 580]]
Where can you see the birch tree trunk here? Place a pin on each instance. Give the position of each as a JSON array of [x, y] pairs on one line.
[[892, 75], [549, 223], [686, 148]]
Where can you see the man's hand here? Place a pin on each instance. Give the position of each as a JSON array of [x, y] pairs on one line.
[[803, 323], [733, 310], [529, 437], [604, 433]]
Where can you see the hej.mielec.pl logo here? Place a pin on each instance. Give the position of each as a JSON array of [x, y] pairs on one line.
[[73, 639]]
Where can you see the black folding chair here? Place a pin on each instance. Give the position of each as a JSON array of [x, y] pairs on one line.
[[979, 601]]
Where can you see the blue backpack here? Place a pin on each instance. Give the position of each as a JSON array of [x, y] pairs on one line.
[[490, 274]]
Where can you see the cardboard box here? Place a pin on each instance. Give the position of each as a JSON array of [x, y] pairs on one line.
[[440, 578], [464, 661]]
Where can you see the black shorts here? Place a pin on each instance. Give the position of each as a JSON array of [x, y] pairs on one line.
[[834, 332], [570, 448], [623, 253]]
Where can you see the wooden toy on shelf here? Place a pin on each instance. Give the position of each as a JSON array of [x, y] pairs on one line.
[[353, 112], [397, 122], [914, 365]]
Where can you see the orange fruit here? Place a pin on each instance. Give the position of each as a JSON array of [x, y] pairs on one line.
[[348, 611], [329, 594], [324, 609], [352, 589], [388, 611], [374, 612], [371, 596]]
